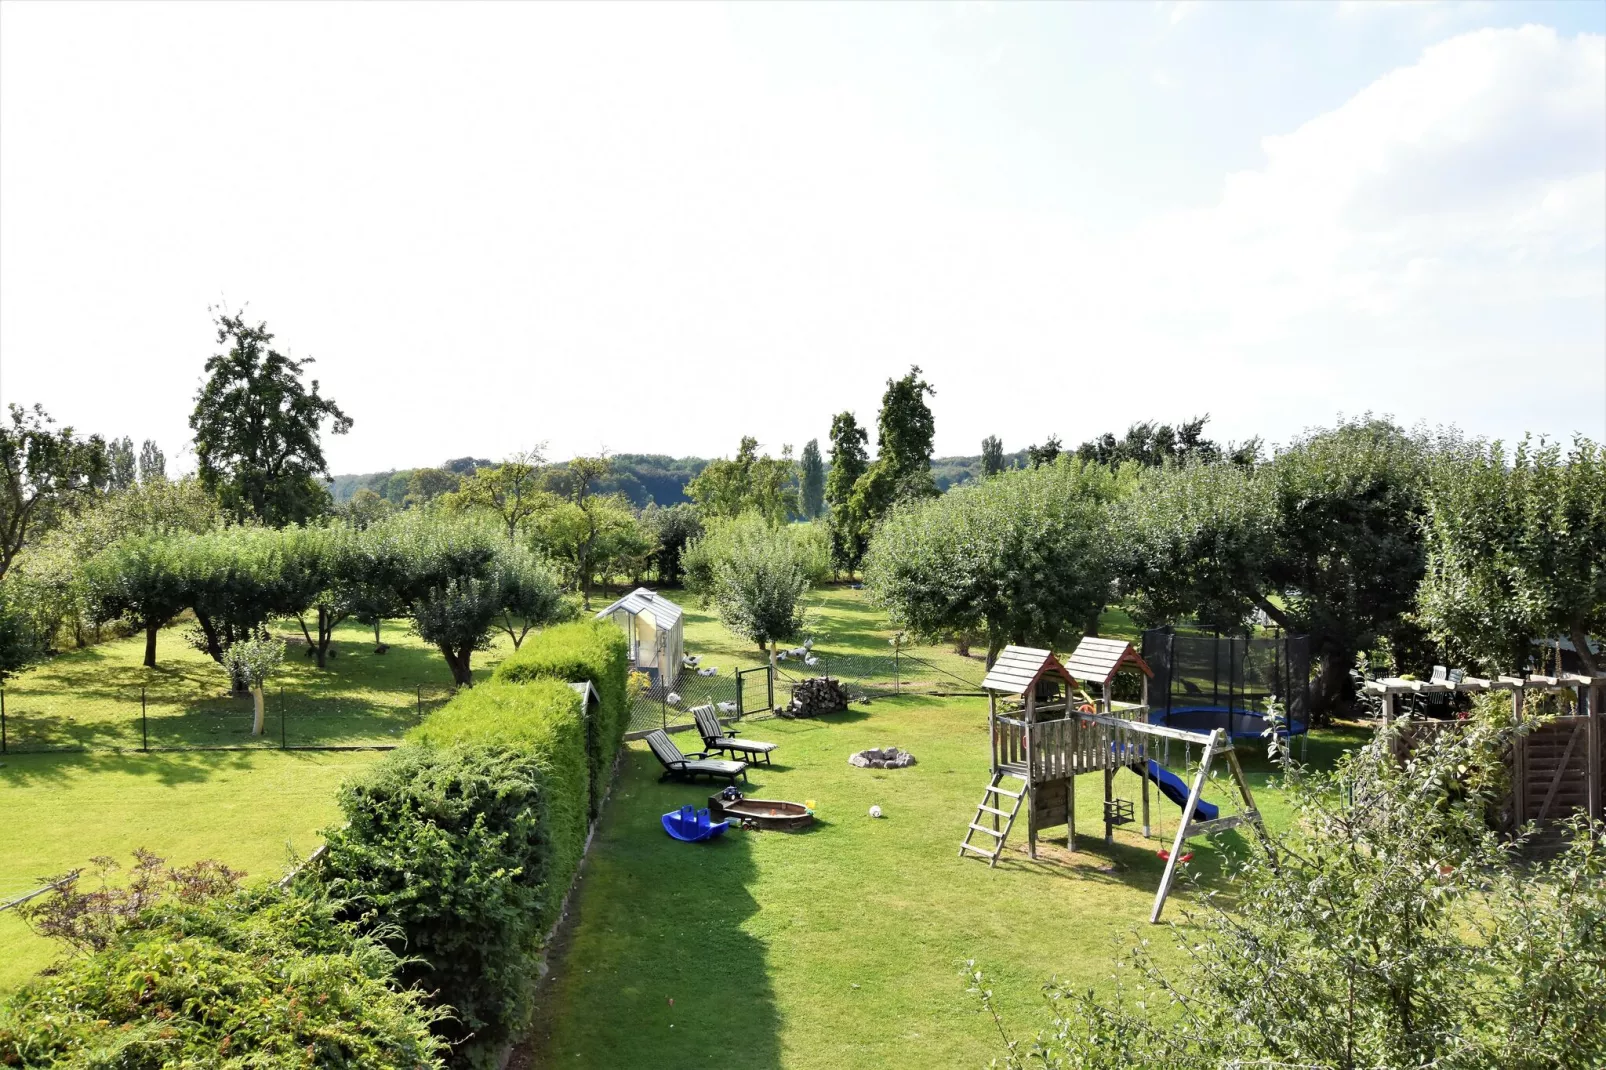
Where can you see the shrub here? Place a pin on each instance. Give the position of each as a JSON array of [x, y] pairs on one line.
[[583, 650], [460, 848], [261, 979]]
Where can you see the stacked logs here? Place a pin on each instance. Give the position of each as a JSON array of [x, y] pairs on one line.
[[810, 698]]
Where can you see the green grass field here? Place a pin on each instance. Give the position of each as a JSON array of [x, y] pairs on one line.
[[250, 809], [839, 947], [91, 699]]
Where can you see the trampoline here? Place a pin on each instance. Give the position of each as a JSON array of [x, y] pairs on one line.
[[1240, 724], [1205, 682]]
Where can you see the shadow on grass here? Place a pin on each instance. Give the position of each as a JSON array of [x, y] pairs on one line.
[[666, 975], [169, 769]]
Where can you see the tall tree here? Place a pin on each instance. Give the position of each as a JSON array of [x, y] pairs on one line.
[[1047, 453], [749, 482], [152, 462], [122, 467], [849, 459], [43, 473], [905, 431], [427, 484], [258, 426], [510, 491], [756, 576], [1516, 550], [992, 456], [811, 470]]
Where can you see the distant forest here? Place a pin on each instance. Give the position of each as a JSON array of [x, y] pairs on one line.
[[640, 477]]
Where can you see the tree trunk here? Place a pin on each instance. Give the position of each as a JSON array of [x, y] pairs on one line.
[[324, 628], [1332, 680], [458, 662], [995, 644], [151, 628], [1581, 644], [214, 649], [256, 699]]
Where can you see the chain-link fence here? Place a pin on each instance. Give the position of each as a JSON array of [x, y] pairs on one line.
[[143, 720]]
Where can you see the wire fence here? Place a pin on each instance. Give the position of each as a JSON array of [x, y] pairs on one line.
[[745, 694], [144, 720]]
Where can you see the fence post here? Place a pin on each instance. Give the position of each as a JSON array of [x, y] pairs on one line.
[[144, 724], [3, 720], [769, 682], [420, 689], [737, 673], [663, 709], [283, 745], [897, 669]]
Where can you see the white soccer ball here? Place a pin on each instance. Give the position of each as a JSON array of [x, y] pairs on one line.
[[875, 811]]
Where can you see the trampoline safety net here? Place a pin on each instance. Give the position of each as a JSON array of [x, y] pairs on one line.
[[1230, 673]]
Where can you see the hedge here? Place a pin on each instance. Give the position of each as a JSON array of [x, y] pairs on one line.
[[460, 847], [260, 979], [582, 650]]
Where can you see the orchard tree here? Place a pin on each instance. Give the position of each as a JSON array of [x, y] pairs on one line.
[[44, 473], [756, 576], [250, 662], [139, 579], [236, 582], [1324, 540], [1516, 550], [992, 456], [671, 528], [510, 491], [257, 429], [849, 459], [531, 597], [1021, 558], [811, 476]]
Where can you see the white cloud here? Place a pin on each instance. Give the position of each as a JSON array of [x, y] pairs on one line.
[[1182, 9]]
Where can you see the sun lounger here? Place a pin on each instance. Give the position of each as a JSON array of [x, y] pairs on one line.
[[715, 739], [692, 766]]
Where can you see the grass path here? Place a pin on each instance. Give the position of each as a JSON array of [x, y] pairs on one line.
[[839, 947]]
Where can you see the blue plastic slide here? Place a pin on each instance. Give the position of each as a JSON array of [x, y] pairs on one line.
[[1174, 789]]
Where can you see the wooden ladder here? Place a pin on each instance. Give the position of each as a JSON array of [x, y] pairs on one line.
[[988, 805]]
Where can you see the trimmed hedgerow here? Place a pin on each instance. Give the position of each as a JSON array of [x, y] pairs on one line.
[[260, 979], [460, 847], [582, 650]]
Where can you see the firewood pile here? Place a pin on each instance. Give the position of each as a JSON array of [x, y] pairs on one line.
[[810, 698]]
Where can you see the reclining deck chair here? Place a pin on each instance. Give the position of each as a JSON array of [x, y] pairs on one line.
[[715, 739], [691, 766]]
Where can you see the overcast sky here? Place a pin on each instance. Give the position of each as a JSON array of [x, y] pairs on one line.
[[657, 228]]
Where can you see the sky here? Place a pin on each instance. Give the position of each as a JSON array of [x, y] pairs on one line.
[[658, 228]]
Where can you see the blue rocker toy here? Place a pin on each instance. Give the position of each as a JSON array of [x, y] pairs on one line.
[[691, 825]]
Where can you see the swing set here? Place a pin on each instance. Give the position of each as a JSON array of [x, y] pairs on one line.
[[1044, 738]]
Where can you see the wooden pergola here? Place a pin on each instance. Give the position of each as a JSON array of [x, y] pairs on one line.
[[1543, 759]]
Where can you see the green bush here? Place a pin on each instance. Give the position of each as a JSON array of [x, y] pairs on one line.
[[460, 848], [583, 650], [260, 979]]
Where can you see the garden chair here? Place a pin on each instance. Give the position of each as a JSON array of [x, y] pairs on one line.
[[715, 739], [691, 766]]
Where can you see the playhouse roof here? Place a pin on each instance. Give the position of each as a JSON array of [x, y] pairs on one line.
[[1096, 661], [664, 612], [1019, 667]]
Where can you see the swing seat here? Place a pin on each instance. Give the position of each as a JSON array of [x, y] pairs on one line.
[[1119, 812], [1164, 855]]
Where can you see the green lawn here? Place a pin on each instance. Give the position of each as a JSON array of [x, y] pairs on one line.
[[250, 809], [839, 947], [91, 699]]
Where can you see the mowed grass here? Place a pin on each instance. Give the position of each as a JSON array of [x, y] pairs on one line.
[[841, 946], [253, 810], [91, 699]]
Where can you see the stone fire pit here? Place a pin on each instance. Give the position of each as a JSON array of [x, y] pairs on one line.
[[884, 758]]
